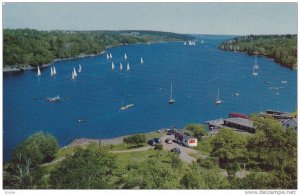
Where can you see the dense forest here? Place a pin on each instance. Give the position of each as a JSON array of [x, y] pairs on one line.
[[281, 48], [23, 47], [268, 158]]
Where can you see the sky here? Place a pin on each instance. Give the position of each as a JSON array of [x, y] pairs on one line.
[[187, 18]]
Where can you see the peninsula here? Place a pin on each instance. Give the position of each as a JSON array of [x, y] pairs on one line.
[[29, 48], [281, 48]]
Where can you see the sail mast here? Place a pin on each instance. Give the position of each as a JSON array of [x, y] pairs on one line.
[[171, 92]]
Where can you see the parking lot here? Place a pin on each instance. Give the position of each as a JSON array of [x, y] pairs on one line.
[[185, 151]]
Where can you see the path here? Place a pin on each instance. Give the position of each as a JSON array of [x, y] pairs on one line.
[[133, 150]]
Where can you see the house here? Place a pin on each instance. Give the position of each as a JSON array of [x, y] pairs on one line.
[[186, 140], [290, 123]]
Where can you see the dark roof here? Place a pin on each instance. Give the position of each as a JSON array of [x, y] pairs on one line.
[[240, 121]]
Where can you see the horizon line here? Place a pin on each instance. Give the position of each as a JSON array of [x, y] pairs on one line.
[[152, 31]]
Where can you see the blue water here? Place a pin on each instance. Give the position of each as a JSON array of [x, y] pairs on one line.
[[96, 96]]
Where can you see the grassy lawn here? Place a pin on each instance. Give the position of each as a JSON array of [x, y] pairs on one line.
[[123, 146], [124, 159]]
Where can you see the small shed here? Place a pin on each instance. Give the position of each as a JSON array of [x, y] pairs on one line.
[[186, 140], [189, 141]]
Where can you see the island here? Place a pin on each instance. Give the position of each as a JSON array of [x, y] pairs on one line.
[[29, 48], [281, 48]]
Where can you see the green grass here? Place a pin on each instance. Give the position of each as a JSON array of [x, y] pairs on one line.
[[124, 159], [205, 145], [63, 152], [123, 146]]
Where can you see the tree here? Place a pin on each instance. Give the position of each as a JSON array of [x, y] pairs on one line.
[[37, 148], [202, 178], [85, 169], [255, 180], [151, 174], [274, 150], [137, 139], [197, 129], [158, 147], [229, 147]]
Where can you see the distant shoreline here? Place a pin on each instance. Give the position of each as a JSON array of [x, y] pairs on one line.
[[12, 68]]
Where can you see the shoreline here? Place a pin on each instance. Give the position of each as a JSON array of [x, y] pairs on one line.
[[109, 141], [12, 68]]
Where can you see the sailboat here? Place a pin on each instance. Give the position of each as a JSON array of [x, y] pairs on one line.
[[184, 43], [51, 74], [112, 66], [128, 67], [73, 76], [38, 72], [253, 72], [142, 61], [54, 71], [121, 67], [255, 65], [74, 72], [125, 56], [107, 56], [124, 107], [202, 41], [218, 101], [79, 69], [110, 56], [171, 100]]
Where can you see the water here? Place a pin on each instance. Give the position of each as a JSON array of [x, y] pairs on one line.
[[96, 95]]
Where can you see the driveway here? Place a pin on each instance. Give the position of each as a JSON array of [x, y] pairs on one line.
[[185, 151]]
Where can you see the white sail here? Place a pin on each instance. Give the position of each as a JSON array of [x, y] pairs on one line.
[[202, 41], [51, 74], [184, 43], [38, 72], [110, 56], [142, 61], [54, 70], [79, 69], [218, 101], [121, 67], [128, 67], [112, 66], [125, 56], [73, 77], [107, 56], [255, 65], [74, 72], [171, 100]]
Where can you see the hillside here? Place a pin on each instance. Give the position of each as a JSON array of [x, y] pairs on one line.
[[23, 47], [281, 48]]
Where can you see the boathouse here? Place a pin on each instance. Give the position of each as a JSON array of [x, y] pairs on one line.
[[236, 123], [240, 124]]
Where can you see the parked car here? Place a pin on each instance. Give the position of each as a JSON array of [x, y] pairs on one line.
[[151, 142], [157, 140], [176, 150], [170, 132], [168, 140]]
